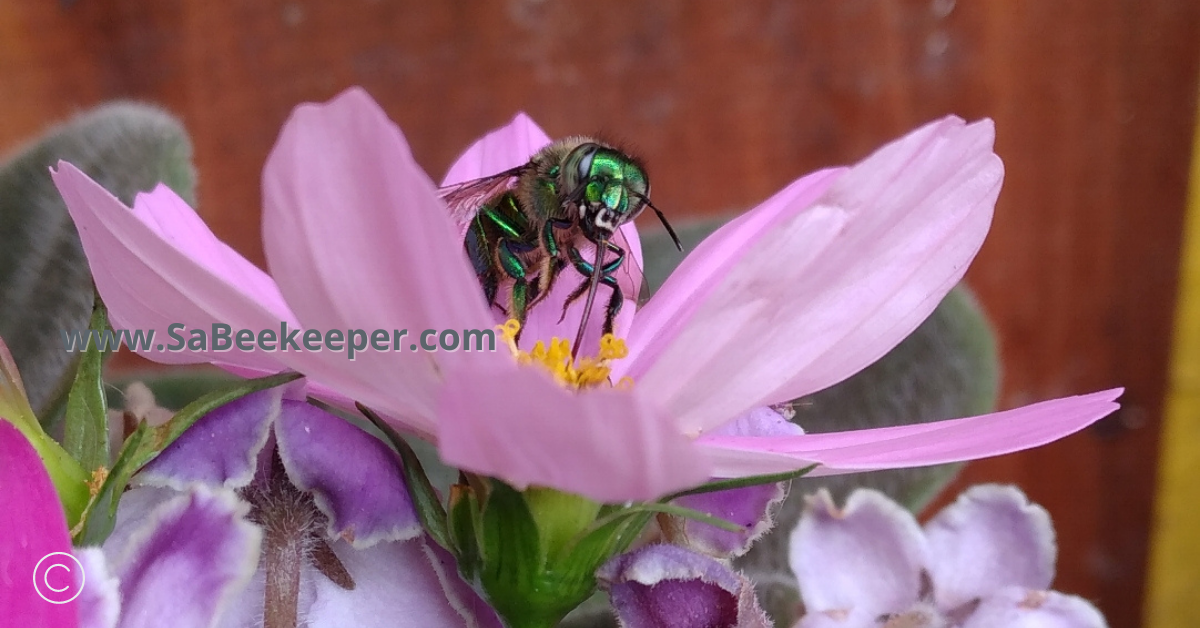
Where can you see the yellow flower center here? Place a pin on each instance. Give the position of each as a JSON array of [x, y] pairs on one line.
[[555, 358]]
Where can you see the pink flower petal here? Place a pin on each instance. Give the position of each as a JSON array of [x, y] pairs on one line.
[[34, 526], [357, 239], [159, 264], [687, 288], [917, 445], [811, 304], [604, 444], [506, 147]]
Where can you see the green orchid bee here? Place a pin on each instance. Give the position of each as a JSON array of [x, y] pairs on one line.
[[528, 224]]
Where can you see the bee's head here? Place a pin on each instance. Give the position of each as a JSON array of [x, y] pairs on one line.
[[608, 186]]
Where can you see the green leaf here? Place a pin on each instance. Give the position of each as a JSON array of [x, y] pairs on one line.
[[146, 443], [45, 283], [420, 490], [85, 430]]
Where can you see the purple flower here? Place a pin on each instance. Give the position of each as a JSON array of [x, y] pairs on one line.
[[666, 586], [326, 534], [986, 561], [183, 564]]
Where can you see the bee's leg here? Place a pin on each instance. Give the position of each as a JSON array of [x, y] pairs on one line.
[[553, 264], [615, 301], [585, 268], [550, 269], [481, 261], [508, 253], [491, 285]]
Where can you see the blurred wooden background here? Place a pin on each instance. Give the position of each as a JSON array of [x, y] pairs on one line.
[[1094, 103]]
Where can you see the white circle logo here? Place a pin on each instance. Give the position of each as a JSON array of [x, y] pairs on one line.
[[58, 577]]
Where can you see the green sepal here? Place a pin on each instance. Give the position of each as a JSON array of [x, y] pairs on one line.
[[146, 443], [512, 564], [85, 427], [560, 516], [425, 499], [464, 524], [542, 593]]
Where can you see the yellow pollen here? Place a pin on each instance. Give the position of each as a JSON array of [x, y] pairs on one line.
[[96, 482], [555, 357]]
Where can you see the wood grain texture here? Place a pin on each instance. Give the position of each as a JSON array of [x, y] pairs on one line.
[[727, 102]]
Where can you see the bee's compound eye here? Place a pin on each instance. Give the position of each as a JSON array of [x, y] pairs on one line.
[[582, 158]]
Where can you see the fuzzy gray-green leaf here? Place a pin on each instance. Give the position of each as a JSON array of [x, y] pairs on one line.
[[45, 284]]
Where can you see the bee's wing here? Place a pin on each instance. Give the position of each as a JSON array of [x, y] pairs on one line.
[[629, 275], [464, 200]]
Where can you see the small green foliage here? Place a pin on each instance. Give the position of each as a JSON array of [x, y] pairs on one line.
[[85, 429]]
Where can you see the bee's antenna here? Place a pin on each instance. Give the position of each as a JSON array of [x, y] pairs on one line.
[[663, 220]]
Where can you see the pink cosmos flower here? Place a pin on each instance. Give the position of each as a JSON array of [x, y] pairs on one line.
[[796, 295]]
